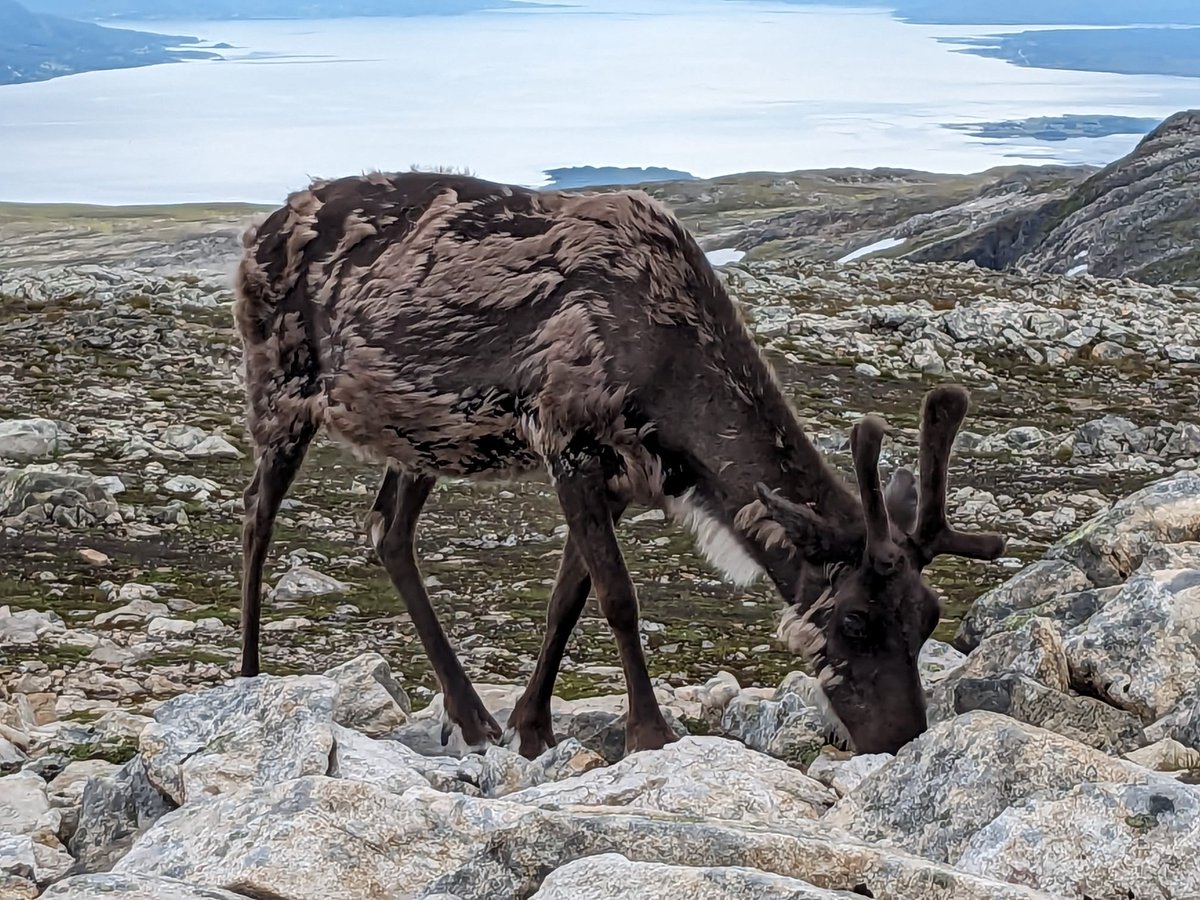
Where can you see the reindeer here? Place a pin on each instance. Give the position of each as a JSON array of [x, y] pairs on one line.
[[445, 326]]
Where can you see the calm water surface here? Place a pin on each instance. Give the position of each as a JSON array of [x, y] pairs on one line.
[[702, 85]]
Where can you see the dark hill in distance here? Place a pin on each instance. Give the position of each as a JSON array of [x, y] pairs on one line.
[[36, 47], [260, 9]]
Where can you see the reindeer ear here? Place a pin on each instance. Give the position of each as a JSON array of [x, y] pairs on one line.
[[816, 538], [900, 495]]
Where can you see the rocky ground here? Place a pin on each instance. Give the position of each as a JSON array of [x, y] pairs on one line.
[[1062, 761], [122, 460]]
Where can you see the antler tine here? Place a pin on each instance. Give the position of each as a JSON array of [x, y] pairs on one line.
[[866, 442], [943, 413]]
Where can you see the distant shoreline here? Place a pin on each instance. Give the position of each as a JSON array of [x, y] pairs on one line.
[[1123, 48]]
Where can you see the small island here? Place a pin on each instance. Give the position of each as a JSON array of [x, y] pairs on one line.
[[573, 177], [1057, 128]]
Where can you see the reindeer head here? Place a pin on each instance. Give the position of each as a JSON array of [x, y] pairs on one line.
[[863, 609]]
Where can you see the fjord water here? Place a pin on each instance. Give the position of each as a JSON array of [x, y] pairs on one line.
[[707, 86]]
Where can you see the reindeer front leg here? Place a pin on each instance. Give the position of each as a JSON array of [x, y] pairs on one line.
[[530, 725], [580, 482]]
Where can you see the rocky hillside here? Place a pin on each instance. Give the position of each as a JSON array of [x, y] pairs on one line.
[[1138, 218]]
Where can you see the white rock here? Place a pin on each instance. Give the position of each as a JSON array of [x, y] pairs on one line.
[[370, 699], [25, 440], [190, 486], [251, 731], [214, 447], [163, 627], [26, 627], [131, 613], [1166, 755], [702, 776], [609, 875], [1099, 840], [301, 582]]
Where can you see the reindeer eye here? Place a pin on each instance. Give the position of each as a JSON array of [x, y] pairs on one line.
[[854, 625]]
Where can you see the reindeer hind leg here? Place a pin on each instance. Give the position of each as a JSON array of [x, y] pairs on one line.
[[273, 476]]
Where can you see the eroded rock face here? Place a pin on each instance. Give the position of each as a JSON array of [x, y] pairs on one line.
[[248, 732], [1097, 840], [1153, 186], [1110, 547], [1141, 652], [958, 776]]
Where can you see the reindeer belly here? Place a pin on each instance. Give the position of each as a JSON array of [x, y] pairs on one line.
[[476, 434]]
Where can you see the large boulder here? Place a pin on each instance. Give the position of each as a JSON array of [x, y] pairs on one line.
[[1141, 652], [609, 875], [114, 810], [116, 886], [1083, 719], [253, 731], [1030, 589], [959, 775], [370, 699], [705, 777], [1035, 649], [1112, 545], [1104, 841]]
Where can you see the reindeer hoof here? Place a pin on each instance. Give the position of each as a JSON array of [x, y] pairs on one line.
[[648, 736], [470, 732]]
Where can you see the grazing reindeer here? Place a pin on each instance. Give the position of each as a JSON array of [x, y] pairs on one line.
[[447, 326]]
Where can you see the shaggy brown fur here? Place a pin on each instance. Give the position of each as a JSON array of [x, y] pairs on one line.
[[447, 326]]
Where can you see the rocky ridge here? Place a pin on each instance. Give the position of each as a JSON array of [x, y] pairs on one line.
[[1137, 218]]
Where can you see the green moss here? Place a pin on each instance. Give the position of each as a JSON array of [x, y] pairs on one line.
[[116, 752], [1141, 822]]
